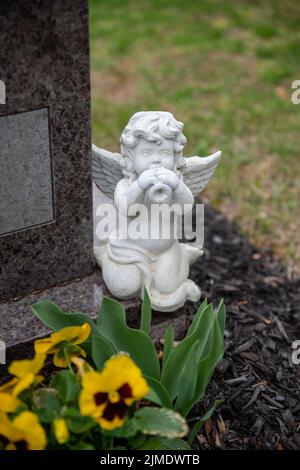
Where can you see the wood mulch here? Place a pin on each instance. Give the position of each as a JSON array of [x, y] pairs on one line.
[[256, 379]]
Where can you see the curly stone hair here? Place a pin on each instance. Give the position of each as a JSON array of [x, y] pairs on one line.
[[152, 126]]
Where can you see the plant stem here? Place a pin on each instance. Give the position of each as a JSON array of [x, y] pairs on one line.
[[68, 360]]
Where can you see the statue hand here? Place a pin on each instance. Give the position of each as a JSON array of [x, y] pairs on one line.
[[168, 177], [147, 178]]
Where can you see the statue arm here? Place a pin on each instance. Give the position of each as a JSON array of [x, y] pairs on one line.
[[182, 195], [127, 195]]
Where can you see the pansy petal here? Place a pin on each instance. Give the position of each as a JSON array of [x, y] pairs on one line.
[[34, 433], [8, 386], [8, 430], [73, 334], [23, 384], [120, 370], [84, 333], [61, 431], [43, 346], [8, 403], [22, 368], [93, 381], [110, 425], [88, 406]]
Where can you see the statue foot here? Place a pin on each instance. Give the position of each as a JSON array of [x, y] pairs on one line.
[[193, 252], [188, 290]]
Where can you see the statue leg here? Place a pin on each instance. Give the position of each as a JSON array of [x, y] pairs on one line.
[[171, 269], [122, 280], [171, 287]]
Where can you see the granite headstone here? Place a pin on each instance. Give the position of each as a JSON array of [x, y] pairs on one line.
[[46, 213], [46, 227]]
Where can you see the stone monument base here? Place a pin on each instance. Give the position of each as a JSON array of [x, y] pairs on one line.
[[20, 327]]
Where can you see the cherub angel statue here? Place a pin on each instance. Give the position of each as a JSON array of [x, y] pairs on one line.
[[150, 170]]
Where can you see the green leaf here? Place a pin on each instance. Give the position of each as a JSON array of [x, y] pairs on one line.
[[129, 429], [45, 415], [80, 424], [158, 393], [102, 350], [187, 381], [196, 318], [168, 344], [207, 366], [46, 403], [81, 446], [160, 422], [177, 359], [163, 443], [55, 318], [146, 313], [77, 423], [67, 386], [200, 423], [136, 441], [112, 325]]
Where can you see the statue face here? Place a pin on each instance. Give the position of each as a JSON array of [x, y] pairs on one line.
[[148, 155]]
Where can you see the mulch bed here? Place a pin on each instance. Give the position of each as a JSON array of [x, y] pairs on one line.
[[256, 379]]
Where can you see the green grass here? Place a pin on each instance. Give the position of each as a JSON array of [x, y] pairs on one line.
[[225, 69]]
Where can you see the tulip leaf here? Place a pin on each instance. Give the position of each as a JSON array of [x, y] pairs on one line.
[[56, 319], [176, 360], [160, 422], [112, 325], [158, 393], [102, 350], [187, 381], [196, 318], [168, 344], [146, 313], [215, 351]]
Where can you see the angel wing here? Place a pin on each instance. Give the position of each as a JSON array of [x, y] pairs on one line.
[[106, 170], [199, 170]]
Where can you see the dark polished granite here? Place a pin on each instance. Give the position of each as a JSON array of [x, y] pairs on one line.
[[18, 324], [44, 62]]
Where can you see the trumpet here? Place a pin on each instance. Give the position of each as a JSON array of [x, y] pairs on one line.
[[160, 193]]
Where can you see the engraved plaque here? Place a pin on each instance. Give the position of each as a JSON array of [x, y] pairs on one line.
[[26, 189]]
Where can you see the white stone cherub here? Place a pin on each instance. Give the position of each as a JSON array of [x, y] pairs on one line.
[[150, 170]]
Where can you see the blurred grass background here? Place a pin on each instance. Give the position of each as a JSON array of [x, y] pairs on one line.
[[225, 69]]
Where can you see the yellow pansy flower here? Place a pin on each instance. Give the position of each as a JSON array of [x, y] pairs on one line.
[[107, 395], [24, 432], [66, 339], [26, 374], [61, 431]]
